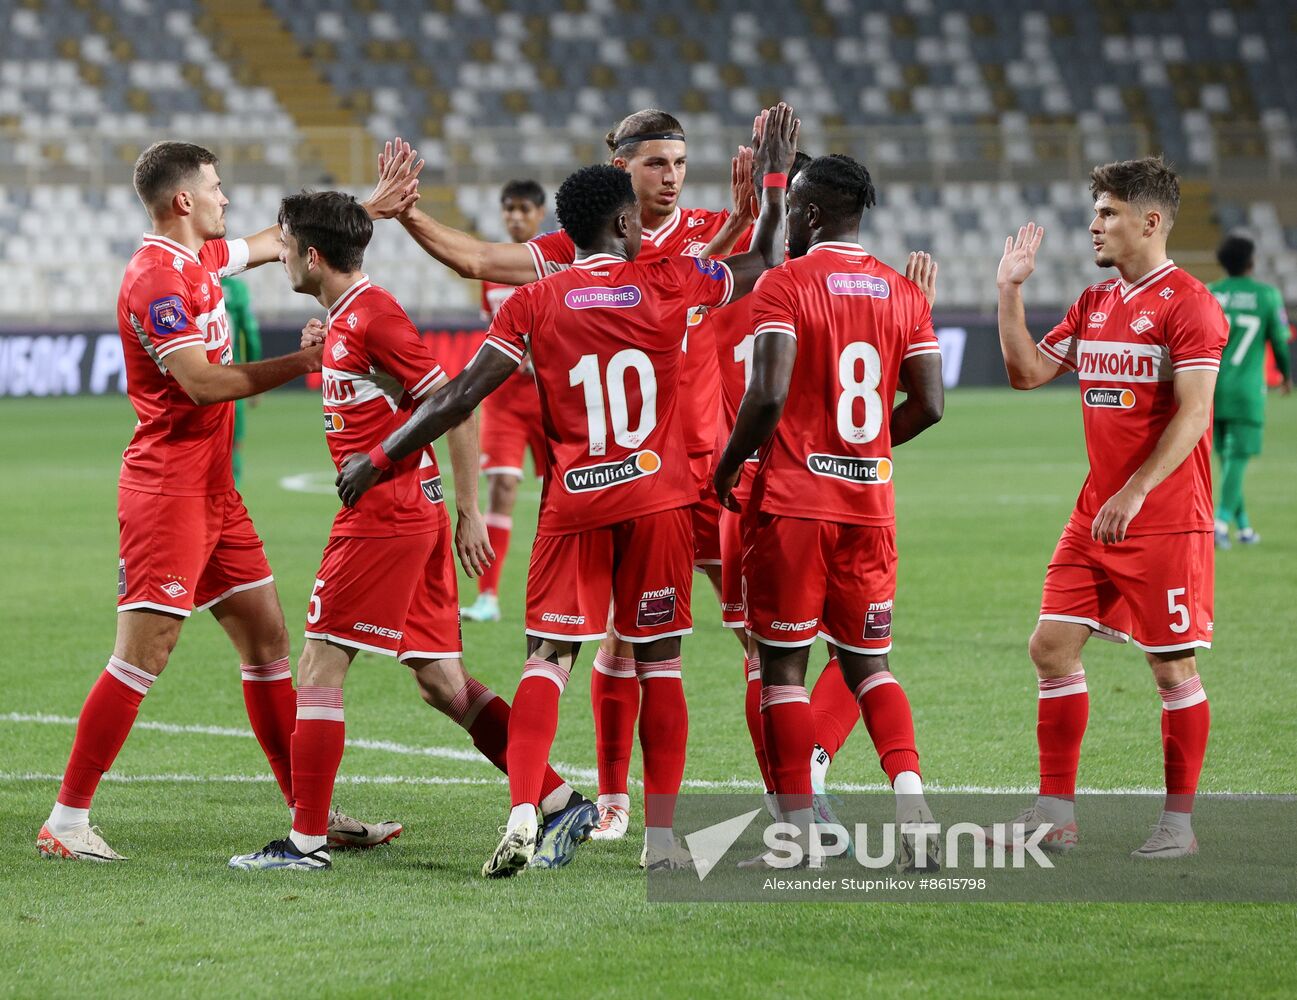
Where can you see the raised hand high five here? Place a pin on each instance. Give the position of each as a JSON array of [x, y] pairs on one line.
[[1019, 258]]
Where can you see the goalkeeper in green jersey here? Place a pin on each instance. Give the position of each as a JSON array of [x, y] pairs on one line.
[[245, 335], [1256, 316]]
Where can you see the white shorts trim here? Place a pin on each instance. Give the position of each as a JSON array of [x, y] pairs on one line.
[[420, 655], [1196, 644], [855, 649], [782, 645], [178, 612], [726, 623], [327, 637], [236, 590], [1098, 628], [589, 637], [502, 470], [652, 638]]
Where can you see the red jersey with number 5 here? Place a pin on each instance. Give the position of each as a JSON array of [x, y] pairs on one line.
[[604, 337], [377, 369], [855, 320], [171, 299], [1127, 343]]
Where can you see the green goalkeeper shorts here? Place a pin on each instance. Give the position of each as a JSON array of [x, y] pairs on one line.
[[1237, 439]]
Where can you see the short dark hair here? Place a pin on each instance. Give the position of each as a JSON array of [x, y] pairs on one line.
[[800, 160], [1235, 254], [1146, 181], [648, 122], [839, 185], [526, 190], [165, 167], [332, 222], [589, 199]]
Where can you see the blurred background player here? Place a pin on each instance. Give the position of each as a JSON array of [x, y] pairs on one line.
[[186, 540], [245, 338], [649, 145], [510, 417], [619, 524], [386, 581], [1135, 559], [834, 330], [1256, 318]]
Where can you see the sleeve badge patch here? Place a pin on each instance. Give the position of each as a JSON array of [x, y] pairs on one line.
[[168, 314]]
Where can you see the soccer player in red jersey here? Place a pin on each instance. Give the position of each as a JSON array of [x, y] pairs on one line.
[[510, 417], [386, 583], [834, 331], [604, 337], [187, 542], [1135, 559], [650, 145]]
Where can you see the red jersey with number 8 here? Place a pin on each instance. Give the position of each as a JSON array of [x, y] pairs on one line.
[[604, 337], [855, 320]]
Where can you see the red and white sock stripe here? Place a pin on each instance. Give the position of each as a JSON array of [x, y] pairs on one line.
[[661, 668], [753, 667], [614, 666], [133, 677], [498, 521], [277, 671], [873, 681], [1183, 695], [1061, 687], [783, 694], [536, 667], [319, 703], [470, 700]]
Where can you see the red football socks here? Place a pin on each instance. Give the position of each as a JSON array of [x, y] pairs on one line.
[[834, 712], [271, 702], [533, 721], [1061, 715], [786, 731], [317, 752], [1186, 722], [498, 529], [106, 719], [615, 698], [663, 734], [484, 715], [886, 712], [752, 712]]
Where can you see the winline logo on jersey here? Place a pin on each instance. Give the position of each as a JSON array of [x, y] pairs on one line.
[[869, 471], [588, 478], [1110, 399]]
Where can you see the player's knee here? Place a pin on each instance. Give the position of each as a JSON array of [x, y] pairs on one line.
[[439, 681], [1051, 657], [503, 494], [1171, 669]]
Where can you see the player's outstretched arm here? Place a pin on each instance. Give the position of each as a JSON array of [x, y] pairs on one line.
[[208, 383], [922, 270], [1194, 391], [435, 416], [773, 356], [774, 154], [745, 206], [1028, 368], [471, 543], [925, 399]]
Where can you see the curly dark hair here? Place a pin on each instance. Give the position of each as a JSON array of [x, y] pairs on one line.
[[1145, 182], [589, 199], [839, 185]]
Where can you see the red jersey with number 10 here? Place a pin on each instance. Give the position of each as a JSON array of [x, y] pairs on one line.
[[855, 320], [171, 299], [604, 338], [1127, 343], [377, 369]]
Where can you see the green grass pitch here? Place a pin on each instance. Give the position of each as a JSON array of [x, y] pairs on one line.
[[981, 499]]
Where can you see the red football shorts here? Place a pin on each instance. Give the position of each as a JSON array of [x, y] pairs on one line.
[[804, 579], [644, 566], [706, 514], [185, 554], [731, 531], [1156, 589], [511, 425], [396, 596]]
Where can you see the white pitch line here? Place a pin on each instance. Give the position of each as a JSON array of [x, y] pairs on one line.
[[735, 784], [252, 779]]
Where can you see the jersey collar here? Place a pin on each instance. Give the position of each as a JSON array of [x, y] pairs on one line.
[[348, 297], [166, 243], [656, 236], [1129, 291], [855, 249], [600, 260]]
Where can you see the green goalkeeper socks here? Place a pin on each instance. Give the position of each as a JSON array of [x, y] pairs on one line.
[[1231, 489]]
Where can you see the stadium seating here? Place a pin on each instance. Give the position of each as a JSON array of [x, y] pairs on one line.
[[971, 119]]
